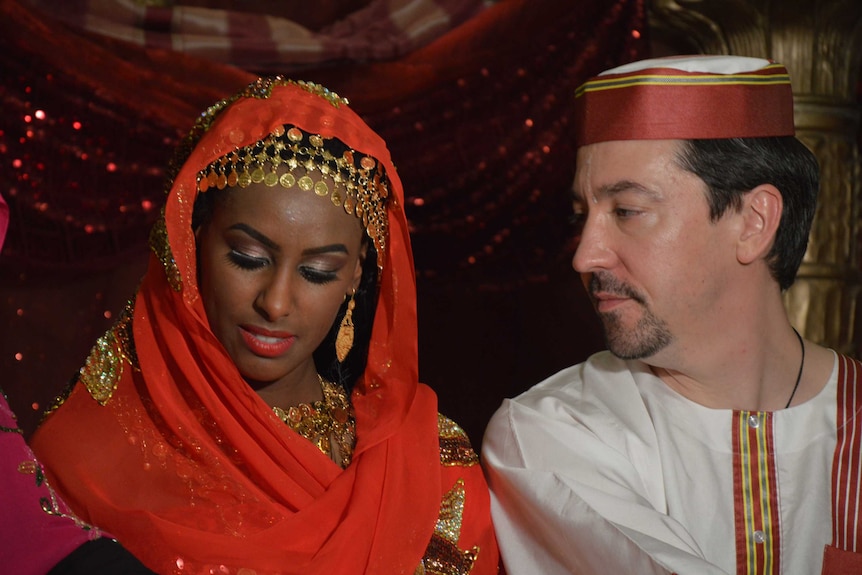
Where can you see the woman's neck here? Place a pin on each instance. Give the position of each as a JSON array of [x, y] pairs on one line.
[[300, 386]]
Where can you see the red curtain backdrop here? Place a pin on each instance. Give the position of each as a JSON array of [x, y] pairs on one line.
[[475, 101]]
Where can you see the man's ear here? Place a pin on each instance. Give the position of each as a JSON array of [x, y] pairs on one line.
[[760, 216]]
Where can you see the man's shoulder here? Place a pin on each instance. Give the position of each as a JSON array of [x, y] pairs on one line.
[[595, 375], [602, 384], [598, 400]]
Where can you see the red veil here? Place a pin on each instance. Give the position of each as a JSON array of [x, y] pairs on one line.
[[168, 448]]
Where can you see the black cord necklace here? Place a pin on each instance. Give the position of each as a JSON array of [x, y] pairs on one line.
[[801, 365]]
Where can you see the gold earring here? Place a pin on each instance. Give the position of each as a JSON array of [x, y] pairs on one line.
[[344, 339]]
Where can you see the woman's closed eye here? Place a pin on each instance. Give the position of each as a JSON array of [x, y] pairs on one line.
[[247, 262], [318, 276]]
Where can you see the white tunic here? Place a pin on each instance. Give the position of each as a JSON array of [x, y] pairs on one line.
[[604, 469]]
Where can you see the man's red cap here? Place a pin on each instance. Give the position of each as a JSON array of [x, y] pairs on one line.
[[686, 97]]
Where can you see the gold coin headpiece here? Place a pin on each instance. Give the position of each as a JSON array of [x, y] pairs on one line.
[[352, 180]]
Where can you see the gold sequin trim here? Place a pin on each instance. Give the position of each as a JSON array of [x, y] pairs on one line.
[[104, 366], [60, 399], [455, 446], [319, 90], [162, 248], [443, 557], [325, 422], [261, 89], [50, 503], [353, 181], [123, 332]]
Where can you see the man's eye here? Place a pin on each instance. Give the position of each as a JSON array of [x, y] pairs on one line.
[[577, 221], [625, 213]]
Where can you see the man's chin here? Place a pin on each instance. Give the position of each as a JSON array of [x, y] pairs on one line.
[[628, 346], [626, 353]]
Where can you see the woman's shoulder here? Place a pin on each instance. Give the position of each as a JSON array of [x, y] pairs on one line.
[[463, 540], [455, 446]]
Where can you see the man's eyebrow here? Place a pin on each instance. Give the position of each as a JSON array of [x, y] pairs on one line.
[[611, 190]]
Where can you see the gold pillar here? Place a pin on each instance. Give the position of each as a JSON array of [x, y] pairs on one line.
[[820, 43]]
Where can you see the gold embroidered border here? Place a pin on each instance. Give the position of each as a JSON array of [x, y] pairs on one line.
[[104, 366], [50, 503], [455, 446], [60, 399], [123, 333], [443, 557], [162, 248]]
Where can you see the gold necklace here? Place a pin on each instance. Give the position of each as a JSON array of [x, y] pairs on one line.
[[323, 422]]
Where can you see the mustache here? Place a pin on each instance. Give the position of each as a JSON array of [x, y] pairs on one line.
[[604, 282]]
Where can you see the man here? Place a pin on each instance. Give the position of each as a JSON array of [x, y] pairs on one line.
[[710, 437]]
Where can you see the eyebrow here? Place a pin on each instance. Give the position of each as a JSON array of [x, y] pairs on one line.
[[326, 250], [265, 240], [611, 190], [256, 235]]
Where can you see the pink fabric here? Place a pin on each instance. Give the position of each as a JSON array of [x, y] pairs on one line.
[[33, 540]]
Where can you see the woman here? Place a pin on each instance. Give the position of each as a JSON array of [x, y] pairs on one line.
[[256, 409]]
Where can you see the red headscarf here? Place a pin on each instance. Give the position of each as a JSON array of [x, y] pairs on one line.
[[191, 470]]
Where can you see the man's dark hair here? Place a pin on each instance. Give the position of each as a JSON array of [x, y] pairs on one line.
[[733, 167]]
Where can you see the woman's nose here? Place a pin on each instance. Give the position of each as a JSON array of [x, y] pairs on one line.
[[275, 299]]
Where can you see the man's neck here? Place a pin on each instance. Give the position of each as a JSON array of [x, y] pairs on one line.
[[753, 364]]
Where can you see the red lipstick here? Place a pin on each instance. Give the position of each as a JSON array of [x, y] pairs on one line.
[[266, 343]]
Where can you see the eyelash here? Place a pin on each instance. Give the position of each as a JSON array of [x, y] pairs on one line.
[[316, 276], [246, 262], [625, 212], [577, 221], [250, 263]]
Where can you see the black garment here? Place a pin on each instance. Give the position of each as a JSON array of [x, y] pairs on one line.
[[100, 557]]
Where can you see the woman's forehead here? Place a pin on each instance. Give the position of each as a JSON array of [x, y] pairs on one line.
[[284, 210]]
